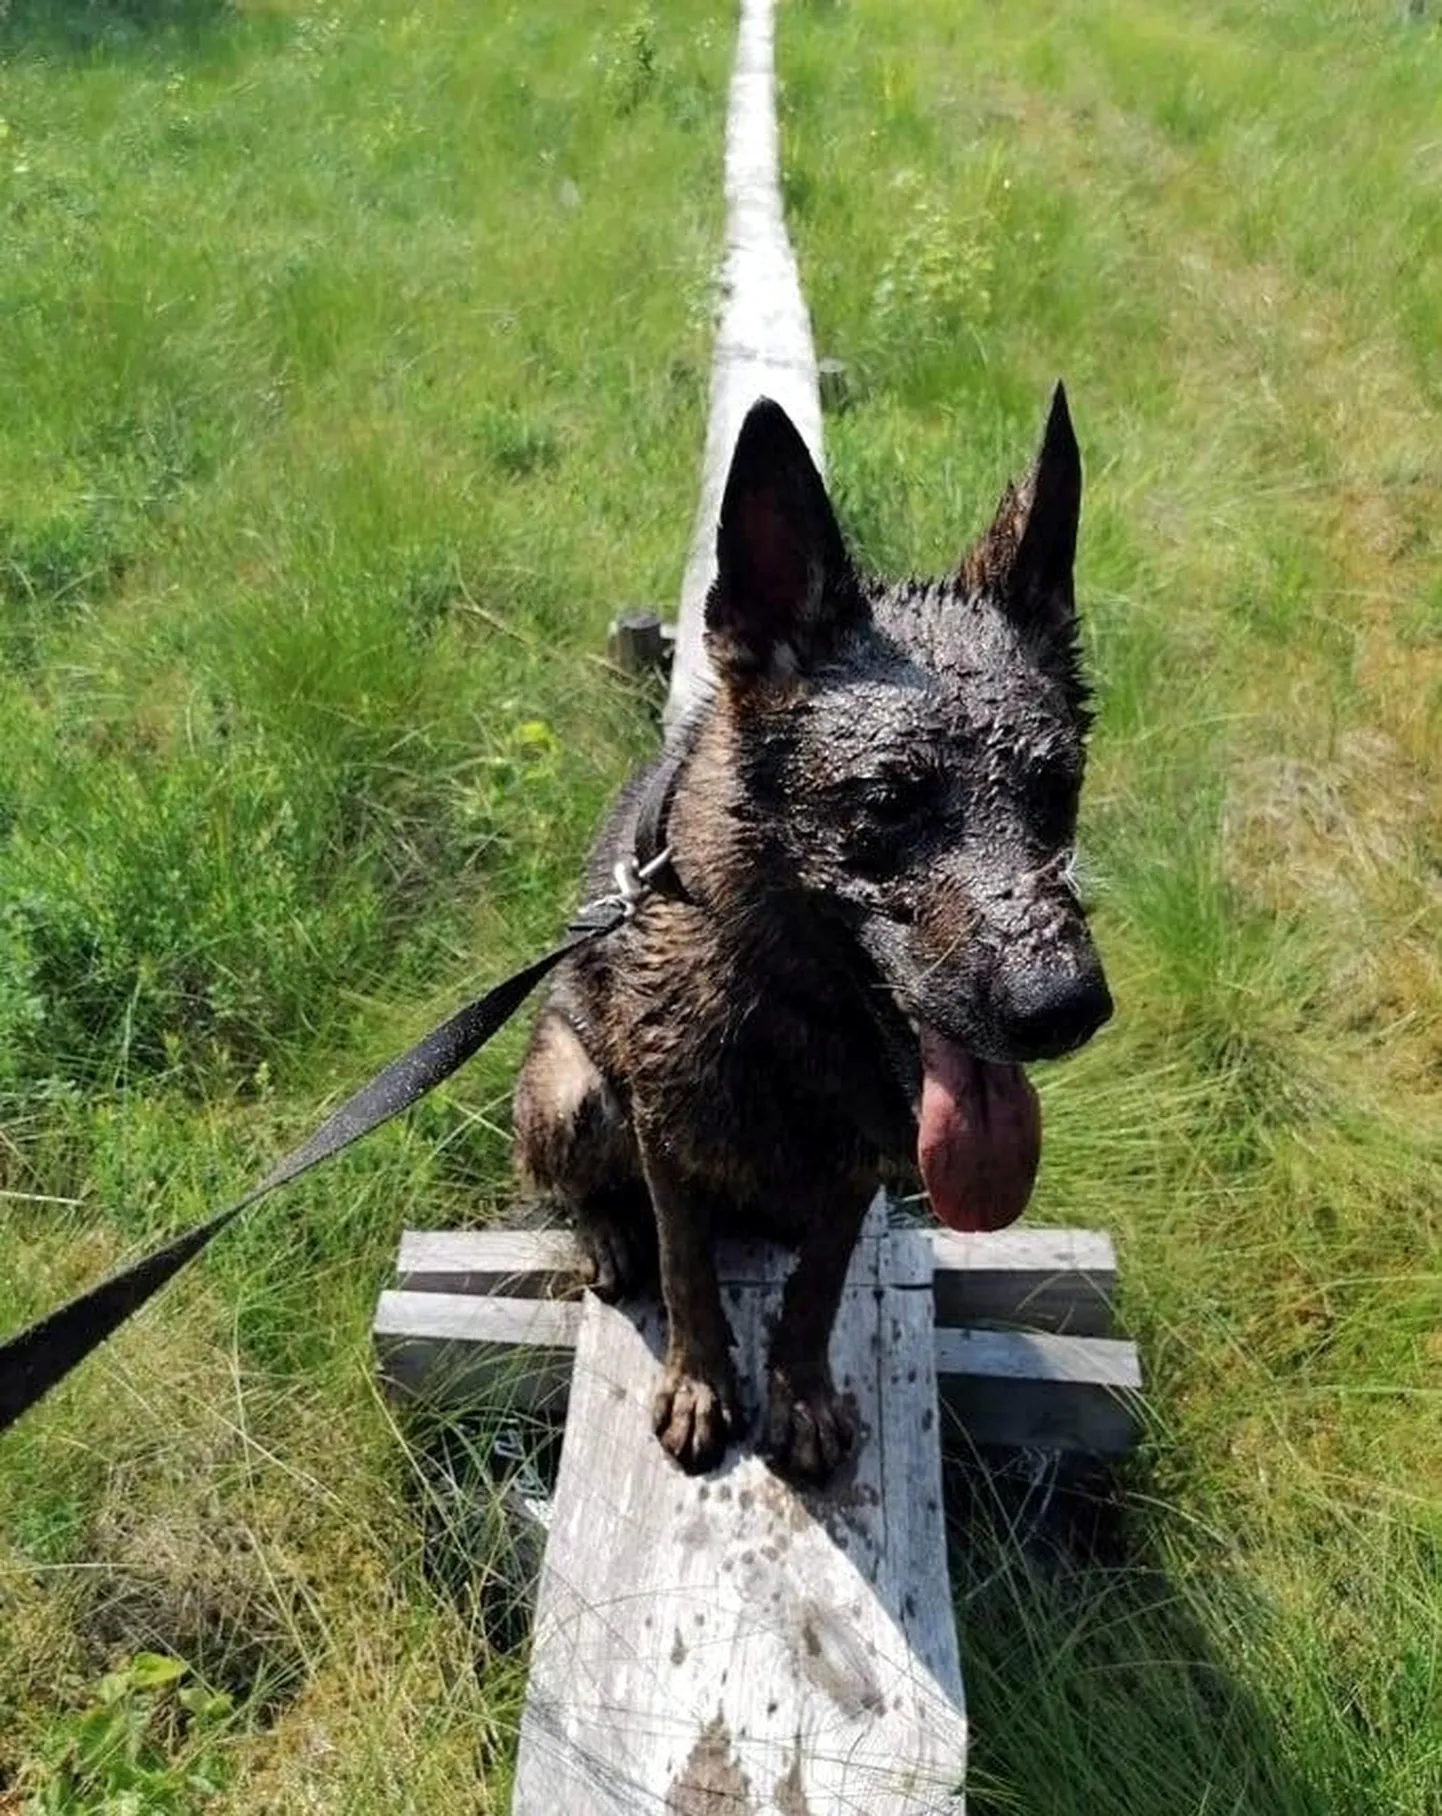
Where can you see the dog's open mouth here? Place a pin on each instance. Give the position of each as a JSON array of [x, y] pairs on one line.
[[978, 1140]]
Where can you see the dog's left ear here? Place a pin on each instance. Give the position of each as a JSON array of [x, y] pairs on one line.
[[785, 593], [1025, 559]]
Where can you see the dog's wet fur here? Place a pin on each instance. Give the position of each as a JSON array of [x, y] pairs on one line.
[[873, 828]]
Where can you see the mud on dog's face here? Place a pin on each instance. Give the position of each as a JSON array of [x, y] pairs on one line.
[[917, 749]]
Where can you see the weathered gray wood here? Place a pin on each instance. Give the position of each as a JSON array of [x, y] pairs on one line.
[[763, 337], [447, 1350], [531, 1264], [523, 1264], [1044, 1279], [725, 1643], [997, 1387], [1017, 1388]]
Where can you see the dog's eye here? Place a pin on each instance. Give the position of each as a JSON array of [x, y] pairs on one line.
[[901, 798]]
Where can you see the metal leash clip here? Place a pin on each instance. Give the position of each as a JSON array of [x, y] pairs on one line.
[[634, 882]]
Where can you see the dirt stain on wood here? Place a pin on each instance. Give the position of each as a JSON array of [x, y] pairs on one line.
[[711, 1783], [834, 1658], [790, 1794]]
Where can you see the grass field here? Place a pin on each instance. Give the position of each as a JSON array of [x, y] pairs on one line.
[[352, 372]]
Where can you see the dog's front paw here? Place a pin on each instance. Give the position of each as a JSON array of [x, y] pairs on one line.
[[694, 1418], [809, 1428]]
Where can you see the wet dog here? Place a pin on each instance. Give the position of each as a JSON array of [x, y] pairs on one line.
[[871, 823]]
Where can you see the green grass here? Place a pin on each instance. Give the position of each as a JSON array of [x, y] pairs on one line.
[[1218, 224], [353, 370], [354, 366]]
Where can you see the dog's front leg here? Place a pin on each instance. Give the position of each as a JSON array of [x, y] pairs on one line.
[[809, 1427], [695, 1408]]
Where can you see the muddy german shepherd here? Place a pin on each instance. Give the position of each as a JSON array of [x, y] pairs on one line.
[[874, 926]]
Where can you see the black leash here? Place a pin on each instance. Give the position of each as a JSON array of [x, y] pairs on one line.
[[35, 1360]]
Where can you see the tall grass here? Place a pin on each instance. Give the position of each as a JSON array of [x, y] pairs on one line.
[[354, 367], [1217, 224], [352, 373]]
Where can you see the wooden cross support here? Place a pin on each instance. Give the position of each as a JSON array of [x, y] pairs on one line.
[[725, 1643], [1020, 1328]]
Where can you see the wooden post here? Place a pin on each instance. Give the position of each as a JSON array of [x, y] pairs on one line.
[[637, 643]]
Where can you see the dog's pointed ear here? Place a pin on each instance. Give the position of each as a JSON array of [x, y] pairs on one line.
[[1025, 559], [785, 593]]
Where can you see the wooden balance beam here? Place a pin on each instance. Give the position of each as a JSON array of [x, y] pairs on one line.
[[725, 1643]]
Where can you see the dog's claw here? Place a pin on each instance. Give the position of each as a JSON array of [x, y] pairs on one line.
[[614, 1263], [694, 1419], [809, 1428], [604, 1270]]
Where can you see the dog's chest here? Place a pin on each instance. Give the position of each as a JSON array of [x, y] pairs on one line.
[[771, 1080]]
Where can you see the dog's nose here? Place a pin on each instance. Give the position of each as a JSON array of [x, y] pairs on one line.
[[1046, 1014]]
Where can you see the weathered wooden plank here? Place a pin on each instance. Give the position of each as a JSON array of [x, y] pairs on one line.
[[448, 1350], [998, 1387], [1045, 1279], [1030, 1388], [725, 1643], [534, 1264], [520, 1264], [763, 337]]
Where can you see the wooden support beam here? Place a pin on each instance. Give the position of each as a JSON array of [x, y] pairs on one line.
[[998, 1387], [1042, 1279], [521, 1264], [449, 1351], [1016, 1388]]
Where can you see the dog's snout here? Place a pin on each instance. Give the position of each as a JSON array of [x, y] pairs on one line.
[[1047, 1015]]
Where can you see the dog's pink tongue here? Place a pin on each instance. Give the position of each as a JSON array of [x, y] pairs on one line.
[[978, 1138]]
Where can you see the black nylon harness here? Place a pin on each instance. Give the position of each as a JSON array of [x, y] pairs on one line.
[[32, 1362]]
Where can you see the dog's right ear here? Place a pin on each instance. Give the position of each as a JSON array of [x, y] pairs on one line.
[[785, 593], [1025, 559]]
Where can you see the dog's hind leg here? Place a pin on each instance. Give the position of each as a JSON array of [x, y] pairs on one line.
[[574, 1145]]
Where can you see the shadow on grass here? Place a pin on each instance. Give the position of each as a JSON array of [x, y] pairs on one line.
[[83, 28], [479, 1488], [1094, 1679]]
